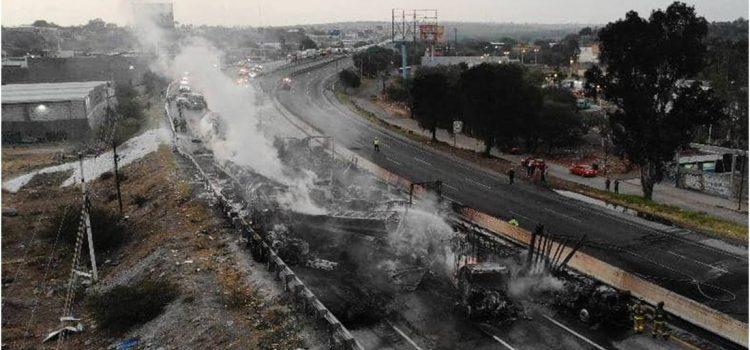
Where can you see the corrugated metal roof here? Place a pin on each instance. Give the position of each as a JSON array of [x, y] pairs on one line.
[[47, 92]]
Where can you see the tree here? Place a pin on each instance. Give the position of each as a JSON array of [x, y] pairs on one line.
[[349, 78], [585, 31], [496, 102], [306, 43], [95, 25], [375, 60], [648, 63], [128, 105], [592, 76], [559, 123], [727, 72], [40, 23], [432, 99]]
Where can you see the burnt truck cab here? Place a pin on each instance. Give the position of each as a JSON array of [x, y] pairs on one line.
[[482, 290], [594, 303]]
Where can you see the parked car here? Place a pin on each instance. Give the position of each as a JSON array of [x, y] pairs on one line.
[[583, 170]]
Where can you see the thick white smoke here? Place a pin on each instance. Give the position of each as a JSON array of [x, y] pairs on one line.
[[235, 108], [424, 234]]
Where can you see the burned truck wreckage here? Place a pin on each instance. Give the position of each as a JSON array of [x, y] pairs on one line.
[[369, 254]]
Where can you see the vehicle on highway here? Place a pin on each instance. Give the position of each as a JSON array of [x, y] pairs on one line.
[[191, 101], [584, 170], [482, 288], [286, 83]]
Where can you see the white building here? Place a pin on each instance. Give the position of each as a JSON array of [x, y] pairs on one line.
[[53, 111]]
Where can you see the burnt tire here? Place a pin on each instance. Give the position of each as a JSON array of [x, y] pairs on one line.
[[584, 316]]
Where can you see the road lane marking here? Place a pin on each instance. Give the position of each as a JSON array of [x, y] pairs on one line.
[[422, 161], [563, 215], [497, 339], [404, 336], [698, 262], [449, 186], [392, 161], [477, 183], [587, 340]]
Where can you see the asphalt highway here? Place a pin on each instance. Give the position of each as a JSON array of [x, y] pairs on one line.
[[689, 263]]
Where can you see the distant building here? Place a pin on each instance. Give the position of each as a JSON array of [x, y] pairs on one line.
[[589, 54], [159, 13], [52, 111]]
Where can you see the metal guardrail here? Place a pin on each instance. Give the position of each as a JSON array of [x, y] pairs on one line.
[[339, 336]]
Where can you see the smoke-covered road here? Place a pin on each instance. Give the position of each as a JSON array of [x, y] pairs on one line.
[[674, 258]]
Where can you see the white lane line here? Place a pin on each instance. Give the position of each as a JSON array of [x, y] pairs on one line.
[[392, 161], [477, 183], [587, 340], [422, 161], [563, 215], [405, 336], [449, 186], [502, 342], [497, 339], [698, 262]]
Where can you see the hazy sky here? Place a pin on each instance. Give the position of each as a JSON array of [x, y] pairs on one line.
[[286, 12]]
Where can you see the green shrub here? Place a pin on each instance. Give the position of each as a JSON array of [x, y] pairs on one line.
[[398, 91], [126, 306], [350, 78]]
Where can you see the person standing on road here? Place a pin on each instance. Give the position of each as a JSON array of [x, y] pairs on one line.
[[606, 184], [617, 186], [376, 144], [529, 168], [639, 316], [511, 175], [660, 317]]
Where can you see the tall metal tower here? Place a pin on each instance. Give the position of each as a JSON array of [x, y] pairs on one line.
[[414, 26]]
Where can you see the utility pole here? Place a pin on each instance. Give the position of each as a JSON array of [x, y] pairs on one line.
[[87, 222], [115, 158]]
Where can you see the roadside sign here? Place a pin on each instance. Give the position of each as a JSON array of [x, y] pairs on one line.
[[458, 126]]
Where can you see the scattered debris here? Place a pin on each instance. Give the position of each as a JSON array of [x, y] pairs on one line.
[[64, 332], [321, 264]]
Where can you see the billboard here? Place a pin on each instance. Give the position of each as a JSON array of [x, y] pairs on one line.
[[431, 33]]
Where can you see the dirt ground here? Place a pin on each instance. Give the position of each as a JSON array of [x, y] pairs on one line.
[[224, 300], [20, 159]]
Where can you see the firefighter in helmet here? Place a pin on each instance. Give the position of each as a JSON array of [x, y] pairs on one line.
[[660, 318], [639, 316]]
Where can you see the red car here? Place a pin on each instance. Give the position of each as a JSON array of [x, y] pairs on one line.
[[583, 170]]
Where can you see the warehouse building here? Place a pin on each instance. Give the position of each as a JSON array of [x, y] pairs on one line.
[[50, 112]]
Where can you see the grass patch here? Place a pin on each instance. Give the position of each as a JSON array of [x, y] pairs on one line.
[[699, 221], [126, 306]]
